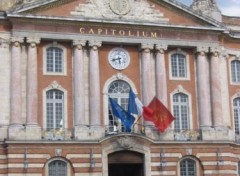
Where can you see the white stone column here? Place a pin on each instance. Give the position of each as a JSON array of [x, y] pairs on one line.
[[203, 87], [161, 76], [79, 83], [32, 82], [16, 83], [94, 84], [216, 89], [146, 71]]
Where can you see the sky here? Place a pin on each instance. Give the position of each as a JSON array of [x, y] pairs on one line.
[[227, 7]]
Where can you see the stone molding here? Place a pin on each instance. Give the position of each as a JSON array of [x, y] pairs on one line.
[[202, 49], [95, 44], [17, 41], [215, 50], [147, 46], [33, 41], [79, 42]]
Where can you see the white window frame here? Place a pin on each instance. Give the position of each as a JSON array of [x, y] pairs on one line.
[[233, 58], [60, 159], [180, 89], [55, 85], [196, 162], [179, 51], [118, 76], [64, 61], [237, 95]]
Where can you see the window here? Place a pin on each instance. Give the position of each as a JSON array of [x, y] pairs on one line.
[[119, 91], [181, 112], [57, 168], [54, 60], [54, 109], [235, 71], [188, 167], [178, 66], [236, 113]]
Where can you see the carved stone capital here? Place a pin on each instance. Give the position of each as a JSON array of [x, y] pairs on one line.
[[161, 48], [79, 44], [33, 41], [95, 44], [17, 40], [202, 50], [146, 47], [215, 51], [4, 42]]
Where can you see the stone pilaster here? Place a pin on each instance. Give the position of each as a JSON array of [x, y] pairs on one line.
[[32, 82], [161, 76], [79, 83], [203, 79], [94, 83], [147, 89], [15, 85], [216, 93]]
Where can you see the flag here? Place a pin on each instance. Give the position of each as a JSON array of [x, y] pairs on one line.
[[161, 118], [135, 106], [126, 118]]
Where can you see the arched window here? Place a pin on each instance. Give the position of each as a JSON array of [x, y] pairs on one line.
[[54, 60], [57, 168], [235, 71], [178, 65], [236, 113], [181, 112], [188, 167], [54, 109], [119, 91]]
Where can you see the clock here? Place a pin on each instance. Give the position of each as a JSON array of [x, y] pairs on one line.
[[119, 58]]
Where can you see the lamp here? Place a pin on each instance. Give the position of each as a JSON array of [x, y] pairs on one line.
[[220, 160], [25, 162], [163, 161], [92, 161]]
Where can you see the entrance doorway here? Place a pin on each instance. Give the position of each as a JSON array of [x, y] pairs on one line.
[[126, 163]]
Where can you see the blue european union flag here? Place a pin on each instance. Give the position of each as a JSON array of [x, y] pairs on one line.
[[126, 118]]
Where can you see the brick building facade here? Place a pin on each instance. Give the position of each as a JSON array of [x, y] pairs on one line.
[[62, 59]]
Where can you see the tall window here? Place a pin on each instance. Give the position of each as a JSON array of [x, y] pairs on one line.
[[54, 60], [178, 65], [236, 112], [238, 168], [188, 167], [235, 69], [119, 91], [54, 105], [57, 168], [181, 111]]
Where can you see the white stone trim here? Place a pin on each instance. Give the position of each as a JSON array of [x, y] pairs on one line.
[[82, 165], [118, 76], [162, 173], [72, 156], [232, 58], [180, 89], [210, 172], [61, 159], [55, 85], [55, 44], [179, 51], [32, 156]]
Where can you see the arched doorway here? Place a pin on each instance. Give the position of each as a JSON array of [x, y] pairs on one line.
[[126, 163]]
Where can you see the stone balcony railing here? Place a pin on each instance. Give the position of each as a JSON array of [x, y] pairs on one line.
[[57, 134]]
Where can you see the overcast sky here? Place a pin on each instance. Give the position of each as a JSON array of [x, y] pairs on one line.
[[228, 7]]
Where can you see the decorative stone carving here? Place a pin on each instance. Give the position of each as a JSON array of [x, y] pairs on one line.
[[126, 142], [58, 152], [123, 9], [4, 43], [161, 47], [54, 85]]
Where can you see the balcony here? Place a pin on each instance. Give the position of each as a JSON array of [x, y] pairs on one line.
[[57, 134]]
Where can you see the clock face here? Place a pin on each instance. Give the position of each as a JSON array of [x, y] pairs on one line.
[[119, 58]]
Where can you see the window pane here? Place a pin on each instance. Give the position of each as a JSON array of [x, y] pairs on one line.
[[57, 168], [178, 64], [55, 107], [188, 167], [180, 112], [119, 91], [54, 59], [236, 110], [235, 69]]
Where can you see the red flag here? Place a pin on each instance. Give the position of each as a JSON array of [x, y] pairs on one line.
[[162, 118]]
